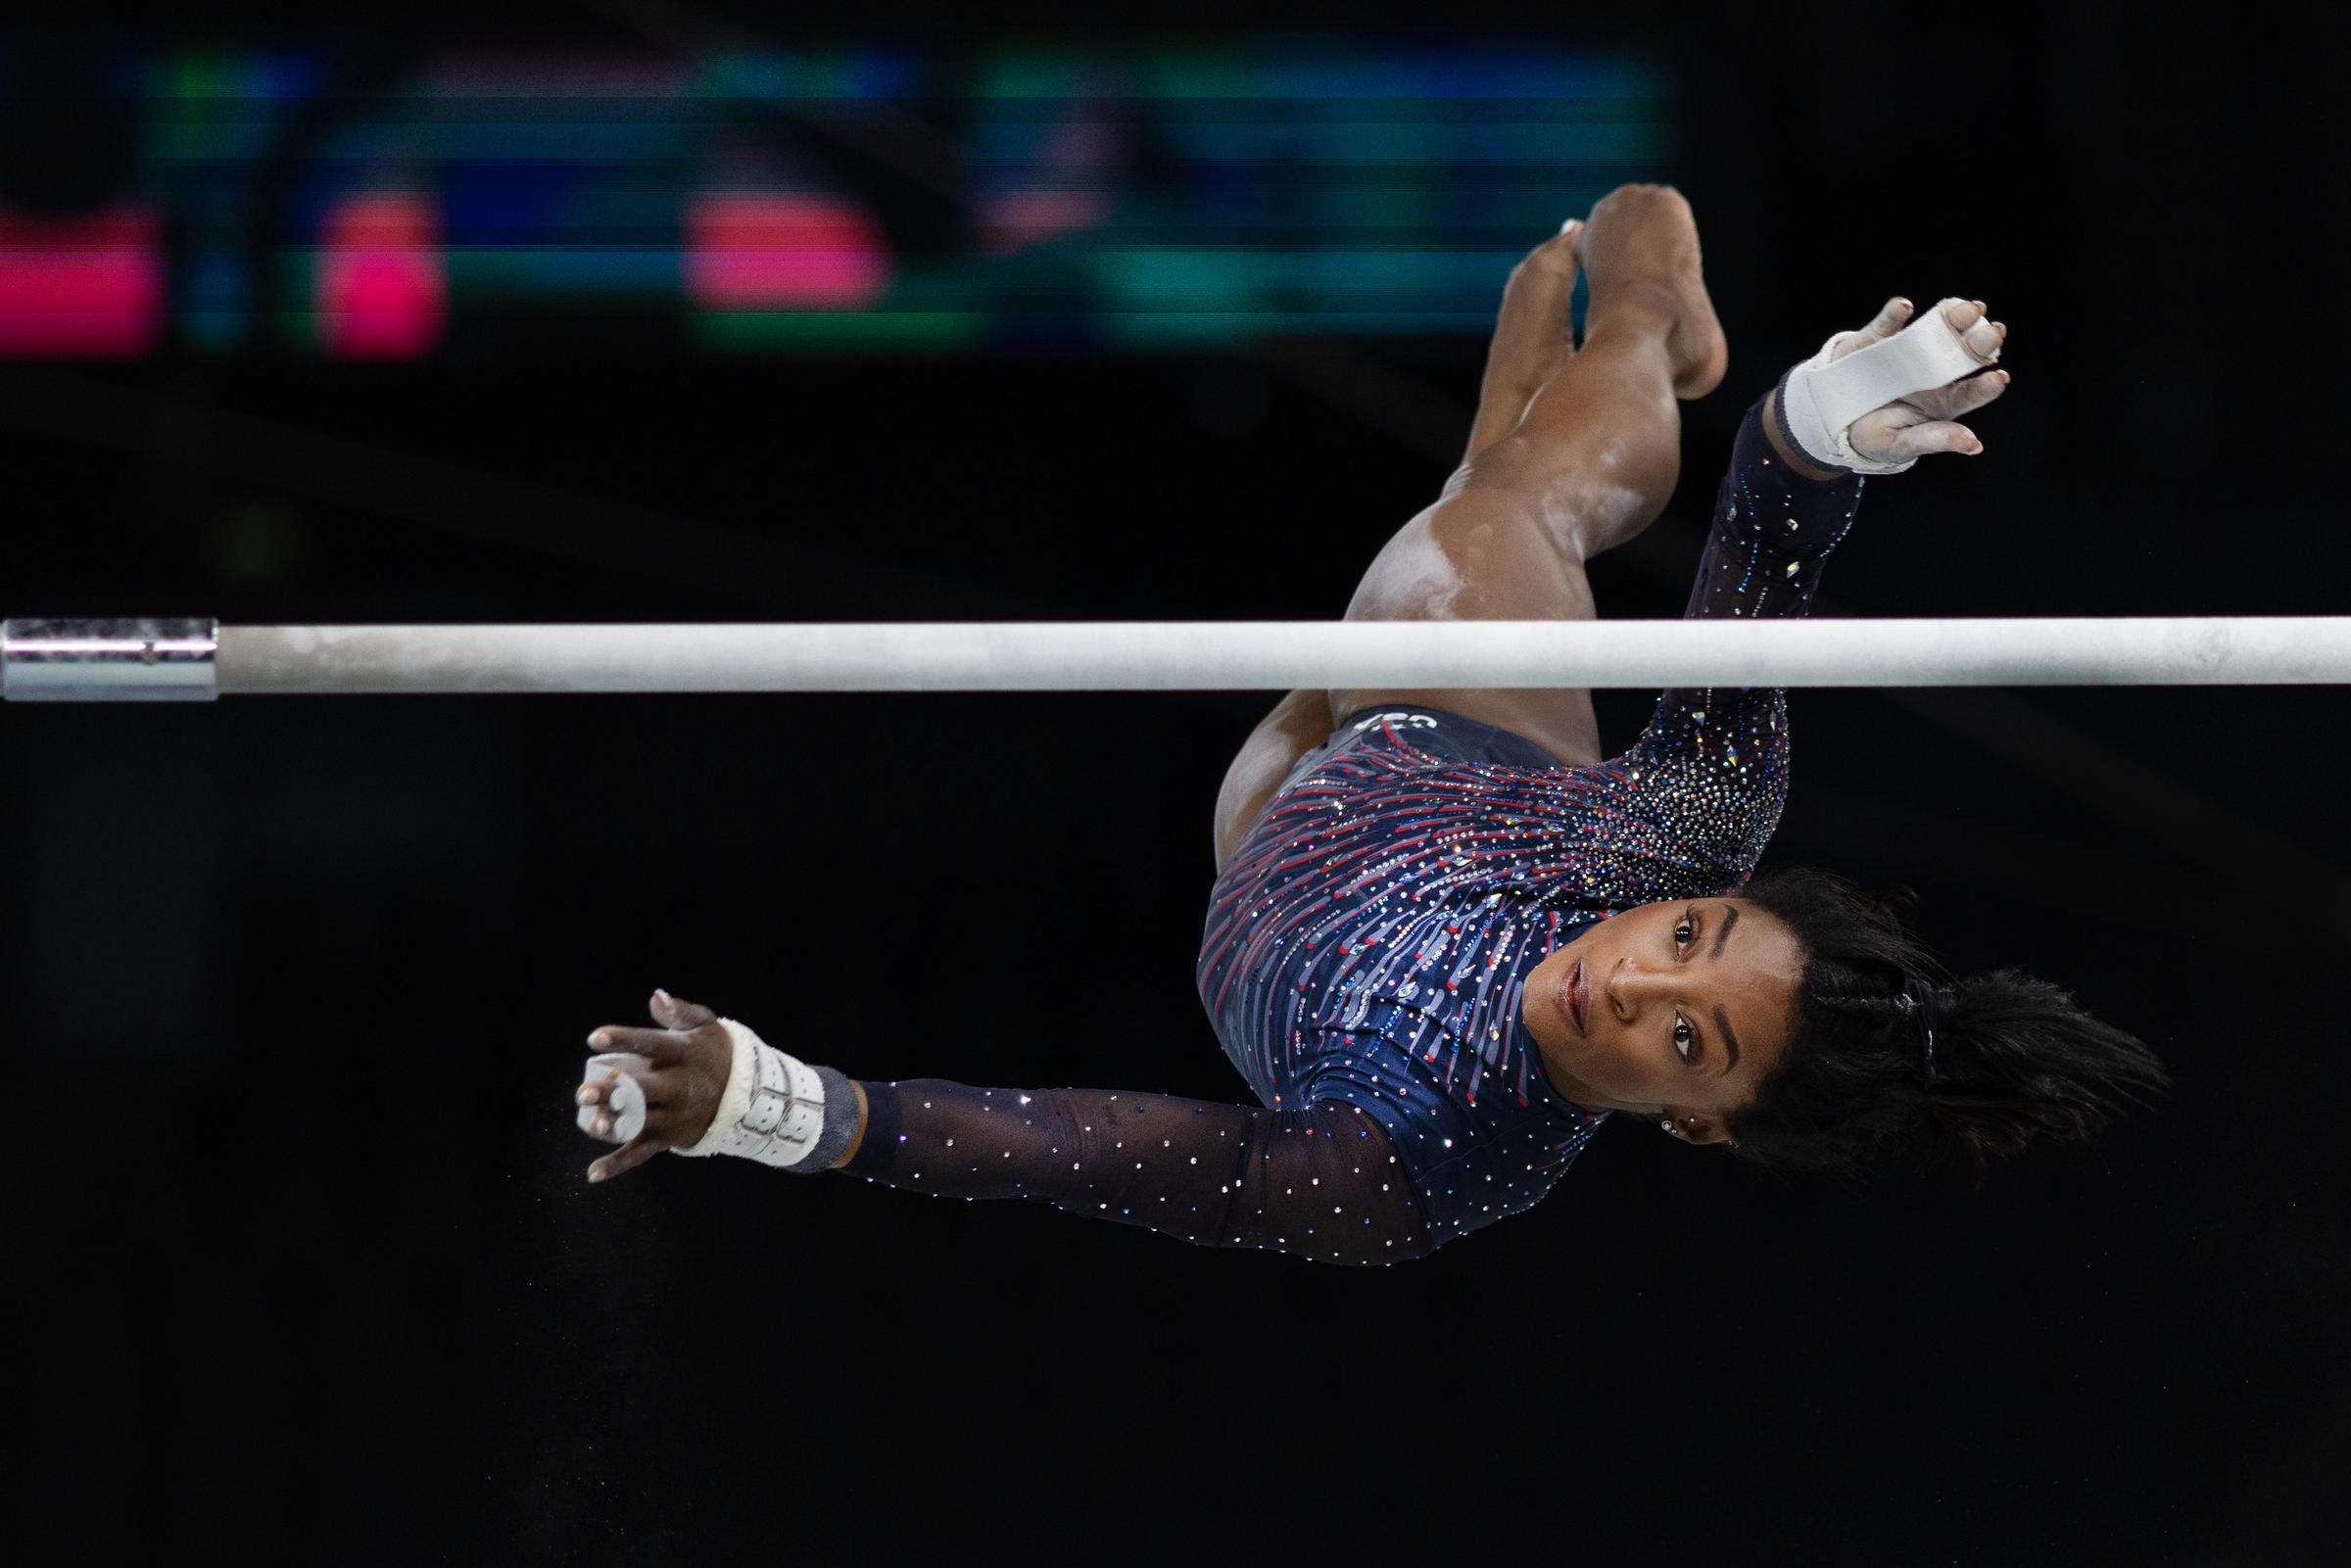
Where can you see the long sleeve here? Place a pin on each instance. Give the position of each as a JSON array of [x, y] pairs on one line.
[[1323, 1182], [1715, 759]]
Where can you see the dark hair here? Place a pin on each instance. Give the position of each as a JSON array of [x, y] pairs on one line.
[[2016, 1060]]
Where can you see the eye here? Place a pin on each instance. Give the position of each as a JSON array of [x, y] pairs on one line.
[[1683, 1036], [1685, 931]]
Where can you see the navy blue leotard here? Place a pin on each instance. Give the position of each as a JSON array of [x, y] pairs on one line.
[[1366, 946]]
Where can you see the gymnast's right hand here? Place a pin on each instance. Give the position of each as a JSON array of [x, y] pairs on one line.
[[688, 1059], [1928, 422]]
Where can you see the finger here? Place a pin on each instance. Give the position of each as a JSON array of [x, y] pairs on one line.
[[597, 1087], [623, 1160], [681, 1015], [663, 1086], [1962, 396], [1891, 317], [1967, 396], [1966, 317], [664, 1048], [599, 1097], [1921, 440]]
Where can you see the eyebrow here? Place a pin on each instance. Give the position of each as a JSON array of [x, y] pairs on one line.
[[1722, 932], [1722, 1019]]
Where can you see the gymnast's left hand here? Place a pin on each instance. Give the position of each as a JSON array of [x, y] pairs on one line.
[[690, 1056]]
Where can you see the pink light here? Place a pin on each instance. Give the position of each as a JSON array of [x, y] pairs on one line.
[[382, 290], [80, 287], [748, 250], [1012, 220]]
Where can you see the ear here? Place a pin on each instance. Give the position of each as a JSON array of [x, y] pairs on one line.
[[1690, 1128]]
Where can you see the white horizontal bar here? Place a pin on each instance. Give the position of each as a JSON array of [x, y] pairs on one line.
[[1275, 655]]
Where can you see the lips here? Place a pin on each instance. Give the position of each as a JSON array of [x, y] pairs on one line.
[[1569, 994]]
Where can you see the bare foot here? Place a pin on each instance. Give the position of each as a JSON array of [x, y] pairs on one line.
[[1641, 239]]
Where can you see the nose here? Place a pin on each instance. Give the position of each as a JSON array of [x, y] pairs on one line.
[[1630, 987]]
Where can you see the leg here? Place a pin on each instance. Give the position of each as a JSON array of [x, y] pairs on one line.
[[1590, 464], [1530, 343], [1299, 723], [1530, 337], [1571, 453]]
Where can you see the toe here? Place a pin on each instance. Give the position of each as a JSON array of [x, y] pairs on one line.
[[1564, 253]]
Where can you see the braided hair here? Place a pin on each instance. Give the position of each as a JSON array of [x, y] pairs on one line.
[[1890, 1057]]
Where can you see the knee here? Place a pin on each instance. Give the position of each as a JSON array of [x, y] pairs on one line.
[[1601, 510], [1591, 494]]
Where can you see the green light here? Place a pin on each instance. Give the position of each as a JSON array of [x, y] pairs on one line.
[[771, 331]]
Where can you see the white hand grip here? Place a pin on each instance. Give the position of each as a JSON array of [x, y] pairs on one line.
[[1822, 400], [626, 1102]]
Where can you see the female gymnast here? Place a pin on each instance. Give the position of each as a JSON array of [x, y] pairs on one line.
[[1449, 937]]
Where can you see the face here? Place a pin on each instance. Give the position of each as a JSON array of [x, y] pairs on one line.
[[1685, 1008]]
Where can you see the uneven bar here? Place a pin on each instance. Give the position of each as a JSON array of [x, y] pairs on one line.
[[44, 659]]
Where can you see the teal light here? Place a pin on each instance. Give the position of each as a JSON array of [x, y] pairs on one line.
[[1144, 193]]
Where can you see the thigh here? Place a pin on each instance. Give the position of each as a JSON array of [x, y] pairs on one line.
[[1298, 724], [1484, 553]]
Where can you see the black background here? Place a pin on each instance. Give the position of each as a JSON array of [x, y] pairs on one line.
[[293, 991]]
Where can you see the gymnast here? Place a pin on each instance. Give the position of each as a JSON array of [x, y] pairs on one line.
[[1449, 937]]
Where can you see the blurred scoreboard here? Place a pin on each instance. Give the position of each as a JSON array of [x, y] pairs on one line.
[[1007, 199]]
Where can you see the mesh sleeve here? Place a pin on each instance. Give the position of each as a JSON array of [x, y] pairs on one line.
[[1322, 1182], [1715, 759]]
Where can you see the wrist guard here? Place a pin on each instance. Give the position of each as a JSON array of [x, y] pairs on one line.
[[778, 1110]]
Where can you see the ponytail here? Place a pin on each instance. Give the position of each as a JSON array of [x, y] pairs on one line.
[[1891, 1059]]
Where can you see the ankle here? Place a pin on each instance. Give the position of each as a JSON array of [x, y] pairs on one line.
[[1646, 306], [1634, 329]]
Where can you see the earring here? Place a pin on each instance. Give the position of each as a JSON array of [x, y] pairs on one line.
[[1666, 1125]]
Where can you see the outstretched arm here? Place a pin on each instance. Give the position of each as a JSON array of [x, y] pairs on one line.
[[1322, 1181], [1714, 760]]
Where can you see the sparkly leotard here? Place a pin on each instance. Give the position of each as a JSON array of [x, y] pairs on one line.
[[1367, 948]]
